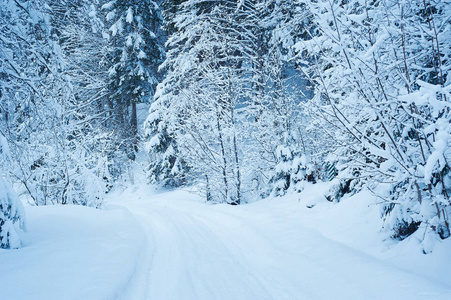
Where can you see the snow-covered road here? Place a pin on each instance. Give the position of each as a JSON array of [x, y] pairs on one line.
[[263, 250]]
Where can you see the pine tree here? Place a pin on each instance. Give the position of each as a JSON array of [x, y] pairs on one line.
[[166, 167], [135, 52]]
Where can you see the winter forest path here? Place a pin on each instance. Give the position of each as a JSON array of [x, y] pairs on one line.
[[255, 251]]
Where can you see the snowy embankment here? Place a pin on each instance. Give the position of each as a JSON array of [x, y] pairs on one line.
[[72, 252], [173, 245]]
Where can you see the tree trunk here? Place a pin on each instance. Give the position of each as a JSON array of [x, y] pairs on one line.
[[224, 161], [238, 175], [134, 125]]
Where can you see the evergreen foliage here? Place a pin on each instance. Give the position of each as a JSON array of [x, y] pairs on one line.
[[134, 53], [166, 168]]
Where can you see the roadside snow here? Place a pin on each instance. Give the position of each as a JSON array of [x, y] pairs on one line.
[[72, 252]]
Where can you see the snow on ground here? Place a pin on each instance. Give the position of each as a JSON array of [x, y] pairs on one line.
[[277, 249], [72, 252], [162, 245]]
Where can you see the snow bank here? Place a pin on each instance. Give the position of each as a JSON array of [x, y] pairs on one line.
[[72, 252], [356, 223]]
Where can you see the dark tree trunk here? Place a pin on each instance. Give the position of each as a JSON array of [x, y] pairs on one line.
[[134, 125]]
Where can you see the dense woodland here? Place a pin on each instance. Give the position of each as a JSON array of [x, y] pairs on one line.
[[248, 99]]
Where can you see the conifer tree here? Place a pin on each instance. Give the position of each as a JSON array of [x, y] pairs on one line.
[[135, 52]]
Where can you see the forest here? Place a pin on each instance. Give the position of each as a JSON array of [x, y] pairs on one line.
[[227, 146], [247, 100]]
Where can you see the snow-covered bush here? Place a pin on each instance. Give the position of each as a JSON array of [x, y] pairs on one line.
[[11, 209], [11, 212], [347, 183], [292, 168]]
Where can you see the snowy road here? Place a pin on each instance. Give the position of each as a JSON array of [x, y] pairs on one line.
[[255, 251]]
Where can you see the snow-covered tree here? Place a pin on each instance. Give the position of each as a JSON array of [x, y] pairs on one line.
[[134, 53], [53, 146], [277, 117], [381, 72], [230, 93], [166, 167], [198, 96]]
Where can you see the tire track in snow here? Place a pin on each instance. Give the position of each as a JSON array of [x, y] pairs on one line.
[[206, 268], [200, 251]]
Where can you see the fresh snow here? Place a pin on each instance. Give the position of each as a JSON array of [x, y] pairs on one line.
[[149, 244]]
